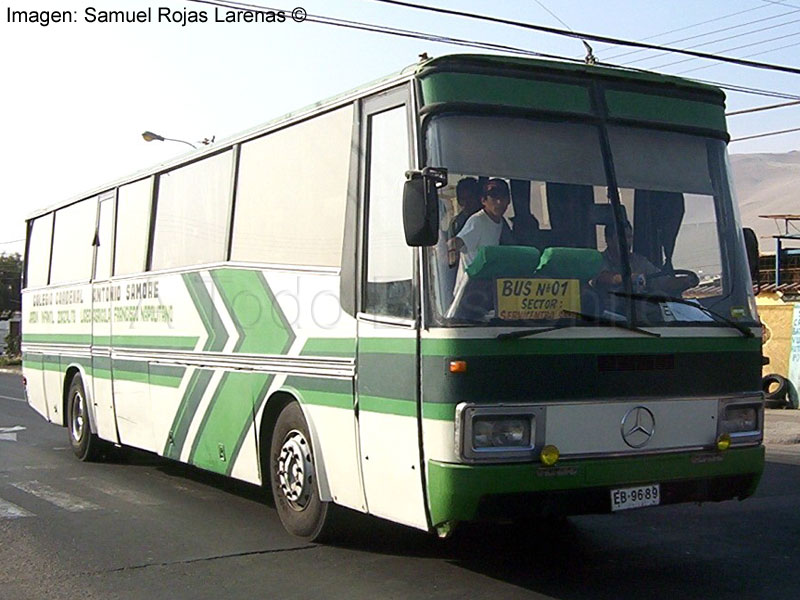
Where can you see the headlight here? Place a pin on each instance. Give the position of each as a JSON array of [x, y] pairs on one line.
[[500, 432], [739, 419]]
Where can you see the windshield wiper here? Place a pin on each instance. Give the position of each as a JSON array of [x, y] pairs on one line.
[[658, 298], [561, 324]]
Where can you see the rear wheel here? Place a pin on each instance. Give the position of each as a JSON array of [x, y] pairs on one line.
[[293, 478], [85, 445]]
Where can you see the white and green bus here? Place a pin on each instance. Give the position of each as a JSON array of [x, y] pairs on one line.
[[284, 308]]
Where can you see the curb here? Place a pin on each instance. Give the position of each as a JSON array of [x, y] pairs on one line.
[[16, 370]]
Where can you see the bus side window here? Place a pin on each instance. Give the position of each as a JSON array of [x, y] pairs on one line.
[[389, 259]]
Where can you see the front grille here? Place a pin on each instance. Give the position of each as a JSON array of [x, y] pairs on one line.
[[635, 362]]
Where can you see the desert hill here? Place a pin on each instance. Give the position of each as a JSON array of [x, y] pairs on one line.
[[766, 184]]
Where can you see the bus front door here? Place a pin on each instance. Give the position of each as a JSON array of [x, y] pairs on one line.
[[387, 406]]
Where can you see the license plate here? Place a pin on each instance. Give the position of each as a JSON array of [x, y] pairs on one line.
[[636, 497]]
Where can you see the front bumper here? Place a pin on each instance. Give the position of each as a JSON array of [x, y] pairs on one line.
[[458, 492]]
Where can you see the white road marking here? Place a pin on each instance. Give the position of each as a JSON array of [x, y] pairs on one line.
[[126, 494], [12, 429], [12, 398], [53, 496], [12, 511], [9, 434]]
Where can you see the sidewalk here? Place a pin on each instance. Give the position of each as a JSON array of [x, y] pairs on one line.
[[782, 432]]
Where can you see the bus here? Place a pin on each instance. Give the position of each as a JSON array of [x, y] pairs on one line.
[[482, 288]]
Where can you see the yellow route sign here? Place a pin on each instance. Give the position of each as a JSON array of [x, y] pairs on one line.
[[537, 298]]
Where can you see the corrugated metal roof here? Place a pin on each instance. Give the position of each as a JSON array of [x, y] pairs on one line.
[[786, 289]]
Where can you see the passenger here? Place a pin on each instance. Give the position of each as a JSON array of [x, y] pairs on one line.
[[486, 227], [468, 196]]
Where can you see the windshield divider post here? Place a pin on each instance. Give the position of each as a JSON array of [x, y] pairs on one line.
[[599, 104]]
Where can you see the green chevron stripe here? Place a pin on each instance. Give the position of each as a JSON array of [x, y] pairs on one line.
[[259, 400], [259, 320], [195, 389], [217, 335], [227, 420]]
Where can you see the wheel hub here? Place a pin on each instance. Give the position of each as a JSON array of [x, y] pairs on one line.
[[78, 417], [295, 470]]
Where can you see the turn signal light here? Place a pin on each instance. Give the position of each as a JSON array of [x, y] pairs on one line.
[[724, 442], [549, 455], [458, 366]]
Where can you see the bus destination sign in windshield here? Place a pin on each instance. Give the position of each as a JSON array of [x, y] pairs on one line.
[[537, 298]]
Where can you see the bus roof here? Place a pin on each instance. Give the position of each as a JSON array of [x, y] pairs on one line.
[[576, 69], [512, 77]]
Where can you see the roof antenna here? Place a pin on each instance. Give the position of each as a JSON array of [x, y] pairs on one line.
[[590, 58], [423, 57]]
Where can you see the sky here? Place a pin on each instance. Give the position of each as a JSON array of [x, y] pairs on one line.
[[76, 96]]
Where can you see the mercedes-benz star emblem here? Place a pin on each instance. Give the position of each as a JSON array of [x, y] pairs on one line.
[[638, 426]]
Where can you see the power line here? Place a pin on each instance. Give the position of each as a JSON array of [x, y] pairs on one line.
[[483, 45], [780, 37], [693, 37], [651, 37], [722, 39], [745, 56], [595, 38], [749, 90], [760, 108], [386, 30], [760, 135], [552, 14], [776, 2]]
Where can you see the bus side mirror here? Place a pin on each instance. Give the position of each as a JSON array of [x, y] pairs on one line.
[[421, 206], [751, 245]]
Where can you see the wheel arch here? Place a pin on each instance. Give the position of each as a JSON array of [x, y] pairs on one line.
[[273, 406], [70, 372]]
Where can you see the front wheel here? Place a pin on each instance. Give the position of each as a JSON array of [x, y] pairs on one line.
[[85, 445], [293, 478]]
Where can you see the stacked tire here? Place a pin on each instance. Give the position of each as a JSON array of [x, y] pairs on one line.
[[777, 392]]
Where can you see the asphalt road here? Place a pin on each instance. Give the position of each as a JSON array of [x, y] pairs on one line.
[[141, 527]]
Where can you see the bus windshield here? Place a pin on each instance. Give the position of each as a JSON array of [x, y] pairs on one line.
[[529, 237]]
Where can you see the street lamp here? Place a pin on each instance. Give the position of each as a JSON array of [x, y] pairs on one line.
[[149, 136]]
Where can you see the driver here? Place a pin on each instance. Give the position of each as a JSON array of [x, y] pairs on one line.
[[610, 276], [644, 274]]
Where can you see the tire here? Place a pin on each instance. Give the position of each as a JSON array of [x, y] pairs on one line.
[[293, 479], [85, 445], [775, 397]]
